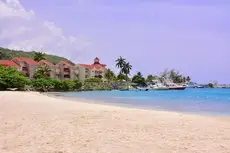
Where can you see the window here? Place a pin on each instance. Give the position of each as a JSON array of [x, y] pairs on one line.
[[66, 76], [66, 70]]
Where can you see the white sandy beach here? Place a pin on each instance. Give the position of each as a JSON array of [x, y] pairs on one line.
[[35, 123]]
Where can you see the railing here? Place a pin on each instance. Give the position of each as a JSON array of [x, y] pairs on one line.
[[24, 69], [66, 70]]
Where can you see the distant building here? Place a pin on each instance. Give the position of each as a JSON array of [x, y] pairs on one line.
[[65, 71], [89, 71], [62, 70], [9, 63], [28, 66], [51, 67]]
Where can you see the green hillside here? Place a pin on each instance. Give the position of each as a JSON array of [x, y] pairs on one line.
[[7, 54]]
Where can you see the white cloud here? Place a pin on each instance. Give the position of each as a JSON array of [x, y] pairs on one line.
[[13, 8], [20, 29]]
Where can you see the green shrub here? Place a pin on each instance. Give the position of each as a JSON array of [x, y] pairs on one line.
[[43, 84], [96, 84], [211, 85], [78, 84], [66, 85], [12, 78]]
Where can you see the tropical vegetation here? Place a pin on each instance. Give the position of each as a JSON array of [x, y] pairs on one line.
[[96, 84], [109, 75], [38, 56], [125, 67], [12, 78], [139, 80], [7, 54]]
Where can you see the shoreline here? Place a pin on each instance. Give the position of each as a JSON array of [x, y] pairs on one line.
[[126, 105], [31, 122]]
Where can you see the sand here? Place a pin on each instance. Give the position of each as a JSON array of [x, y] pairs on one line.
[[34, 123]]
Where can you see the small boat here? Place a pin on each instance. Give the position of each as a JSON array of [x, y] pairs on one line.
[[142, 89], [174, 86], [159, 86], [177, 88]]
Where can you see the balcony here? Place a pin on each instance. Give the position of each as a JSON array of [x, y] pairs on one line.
[[24, 69], [67, 70], [67, 76]]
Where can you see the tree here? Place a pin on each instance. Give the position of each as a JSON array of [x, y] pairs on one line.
[[109, 75], [42, 72], [121, 76], [211, 85], [150, 78], [120, 62], [12, 78], [126, 69], [188, 79], [1, 55], [39, 56], [139, 79], [184, 79], [43, 84]]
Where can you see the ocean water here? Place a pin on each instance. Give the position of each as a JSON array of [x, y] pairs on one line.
[[202, 101]]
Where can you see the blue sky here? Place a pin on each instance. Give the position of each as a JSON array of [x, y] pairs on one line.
[[191, 36]]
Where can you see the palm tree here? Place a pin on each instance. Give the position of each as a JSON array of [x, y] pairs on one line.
[[120, 62], [39, 56], [126, 69], [42, 72], [109, 75]]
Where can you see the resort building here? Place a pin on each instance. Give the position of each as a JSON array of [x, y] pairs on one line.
[[50, 66], [65, 71], [8, 63], [28, 66], [93, 70]]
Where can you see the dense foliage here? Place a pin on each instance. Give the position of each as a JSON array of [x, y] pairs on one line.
[[38, 56], [96, 84], [43, 82], [211, 85], [48, 84], [42, 72], [8, 54], [12, 78], [109, 75], [121, 77], [139, 79]]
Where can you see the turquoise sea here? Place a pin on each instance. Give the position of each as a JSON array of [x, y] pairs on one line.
[[201, 101]]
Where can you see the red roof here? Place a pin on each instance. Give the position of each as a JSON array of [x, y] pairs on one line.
[[24, 59], [96, 66], [65, 63], [46, 63], [9, 63], [85, 66]]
